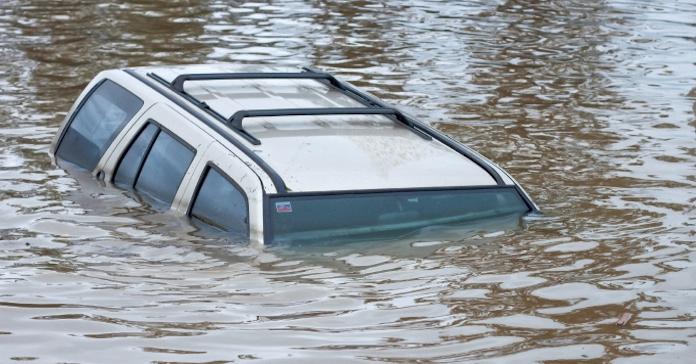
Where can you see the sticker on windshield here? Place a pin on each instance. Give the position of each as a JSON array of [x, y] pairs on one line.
[[283, 206]]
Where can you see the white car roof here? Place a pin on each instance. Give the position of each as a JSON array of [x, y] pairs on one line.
[[327, 152]]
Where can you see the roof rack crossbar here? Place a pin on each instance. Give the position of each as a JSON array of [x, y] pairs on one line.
[[235, 121], [178, 83]]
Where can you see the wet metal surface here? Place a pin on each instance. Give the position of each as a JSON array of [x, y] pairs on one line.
[[588, 104]]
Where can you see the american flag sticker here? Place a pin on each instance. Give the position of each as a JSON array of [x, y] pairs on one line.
[[283, 206]]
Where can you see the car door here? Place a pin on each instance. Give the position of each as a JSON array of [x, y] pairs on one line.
[[225, 193], [157, 155]]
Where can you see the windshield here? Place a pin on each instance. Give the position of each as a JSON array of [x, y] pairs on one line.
[[361, 216]]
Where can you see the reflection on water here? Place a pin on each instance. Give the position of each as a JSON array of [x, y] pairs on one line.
[[590, 105]]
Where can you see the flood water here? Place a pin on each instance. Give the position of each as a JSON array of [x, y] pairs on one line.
[[589, 104]]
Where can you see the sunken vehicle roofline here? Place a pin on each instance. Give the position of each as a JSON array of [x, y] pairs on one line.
[[372, 105], [425, 159]]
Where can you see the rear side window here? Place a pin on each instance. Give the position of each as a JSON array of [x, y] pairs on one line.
[[221, 204], [99, 119], [155, 164]]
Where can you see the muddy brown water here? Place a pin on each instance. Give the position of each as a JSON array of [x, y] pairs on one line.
[[589, 104]]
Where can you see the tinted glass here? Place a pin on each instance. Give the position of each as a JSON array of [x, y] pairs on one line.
[[219, 203], [164, 168], [130, 165], [96, 124], [385, 215]]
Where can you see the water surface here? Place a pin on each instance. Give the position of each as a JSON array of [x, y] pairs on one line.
[[588, 104]]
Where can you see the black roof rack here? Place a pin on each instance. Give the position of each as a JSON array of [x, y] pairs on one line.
[[236, 120], [373, 106]]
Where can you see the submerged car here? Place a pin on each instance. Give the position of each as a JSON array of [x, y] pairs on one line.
[[278, 155]]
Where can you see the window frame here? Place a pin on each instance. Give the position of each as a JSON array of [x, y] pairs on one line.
[[65, 128], [82, 103], [194, 197], [160, 128]]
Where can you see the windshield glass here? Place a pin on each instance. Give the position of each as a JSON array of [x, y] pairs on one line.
[[359, 216]]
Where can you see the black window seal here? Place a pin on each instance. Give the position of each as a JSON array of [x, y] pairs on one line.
[[208, 166], [272, 174]]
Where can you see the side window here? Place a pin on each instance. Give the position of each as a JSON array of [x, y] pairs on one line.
[[97, 122], [220, 203], [129, 166], [155, 164]]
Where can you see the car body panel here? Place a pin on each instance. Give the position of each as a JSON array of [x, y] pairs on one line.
[[359, 159], [228, 163], [336, 152], [271, 156]]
